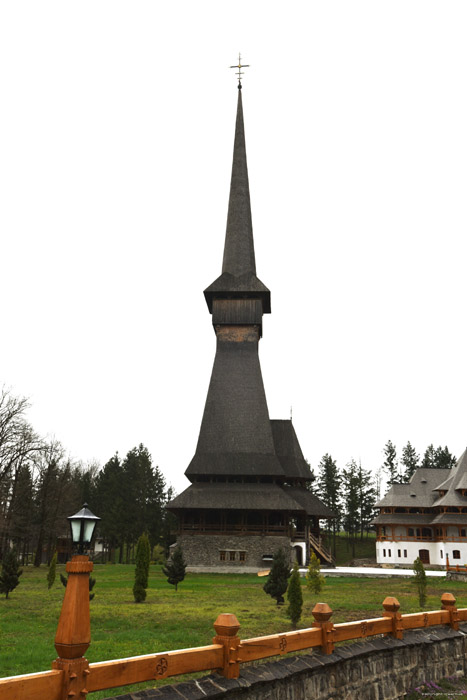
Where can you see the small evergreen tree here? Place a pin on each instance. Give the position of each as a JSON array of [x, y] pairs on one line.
[[420, 580], [141, 569], [295, 597], [314, 580], [278, 577], [158, 556], [51, 572], [175, 568], [9, 578]]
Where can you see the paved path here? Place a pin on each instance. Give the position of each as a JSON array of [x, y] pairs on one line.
[[375, 572]]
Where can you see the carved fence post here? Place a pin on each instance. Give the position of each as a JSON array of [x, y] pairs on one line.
[[322, 613], [448, 602], [391, 609], [226, 627], [74, 630]]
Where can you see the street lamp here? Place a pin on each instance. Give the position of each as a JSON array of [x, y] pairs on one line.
[[82, 526]]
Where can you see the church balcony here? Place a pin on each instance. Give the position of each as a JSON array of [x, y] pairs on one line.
[[238, 529]]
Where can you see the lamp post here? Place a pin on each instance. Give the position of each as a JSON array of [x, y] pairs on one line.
[[74, 626], [82, 526]]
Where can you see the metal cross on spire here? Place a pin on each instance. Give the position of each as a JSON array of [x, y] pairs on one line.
[[239, 71]]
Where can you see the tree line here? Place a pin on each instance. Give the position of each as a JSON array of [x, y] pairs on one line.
[[40, 486], [401, 471], [352, 492]]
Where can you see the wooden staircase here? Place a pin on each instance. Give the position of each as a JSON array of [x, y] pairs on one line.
[[317, 545]]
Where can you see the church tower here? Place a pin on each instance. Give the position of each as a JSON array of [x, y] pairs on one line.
[[248, 494]]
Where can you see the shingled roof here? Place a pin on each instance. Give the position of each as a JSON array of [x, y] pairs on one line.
[[288, 450], [238, 278]]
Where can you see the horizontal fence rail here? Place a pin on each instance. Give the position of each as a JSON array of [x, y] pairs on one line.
[[73, 677]]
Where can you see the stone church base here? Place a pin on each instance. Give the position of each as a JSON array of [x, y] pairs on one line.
[[231, 553]]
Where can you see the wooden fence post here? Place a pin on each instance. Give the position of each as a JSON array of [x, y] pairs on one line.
[[322, 613], [447, 562], [448, 602], [391, 609], [74, 630], [226, 627]]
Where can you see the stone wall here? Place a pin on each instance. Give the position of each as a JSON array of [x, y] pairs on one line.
[[379, 668], [202, 552]]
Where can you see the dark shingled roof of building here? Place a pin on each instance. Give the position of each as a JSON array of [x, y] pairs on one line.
[[238, 276], [288, 450], [458, 477], [235, 437], [310, 503], [421, 485], [450, 519], [235, 496]]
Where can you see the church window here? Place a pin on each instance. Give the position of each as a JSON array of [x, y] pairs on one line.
[[389, 552], [398, 552], [222, 555], [384, 552], [463, 532], [405, 553], [242, 556], [441, 553], [232, 556], [456, 554], [410, 532]]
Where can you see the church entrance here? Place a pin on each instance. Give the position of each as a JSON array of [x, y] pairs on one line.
[[298, 554]]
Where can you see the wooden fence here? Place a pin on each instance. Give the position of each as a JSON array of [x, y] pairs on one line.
[[455, 567], [72, 677]]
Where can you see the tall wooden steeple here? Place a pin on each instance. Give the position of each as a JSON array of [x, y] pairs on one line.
[[248, 476], [236, 436]]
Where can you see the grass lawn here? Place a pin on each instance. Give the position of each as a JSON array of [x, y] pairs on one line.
[[170, 620]]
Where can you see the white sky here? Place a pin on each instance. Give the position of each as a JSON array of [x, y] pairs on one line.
[[116, 135]]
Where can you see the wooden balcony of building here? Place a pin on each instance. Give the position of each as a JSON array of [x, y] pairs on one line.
[[240, 529]]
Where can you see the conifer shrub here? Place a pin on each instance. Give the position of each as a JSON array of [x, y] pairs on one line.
[[9, 578], [295, 597], [420, 581], [143, 552], [158, 556], [175, 568], [51, 572], [278, 577], [314, 580]]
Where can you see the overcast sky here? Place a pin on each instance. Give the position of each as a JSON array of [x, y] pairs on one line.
[[116, 136]]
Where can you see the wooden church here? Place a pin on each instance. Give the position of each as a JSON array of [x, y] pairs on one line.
[[248, 495]]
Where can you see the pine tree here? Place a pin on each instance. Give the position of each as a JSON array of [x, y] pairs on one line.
[[351, 501], [390, 463], [429, 458], [329, 485], [314, 580], [444, 459], [51, 572], [420, 580], [175, 568], [367, 498], [278, 577], [295, 597], [9, 578], [410, 461]]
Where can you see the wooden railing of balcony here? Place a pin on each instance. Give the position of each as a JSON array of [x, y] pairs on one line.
[[455, 567], [72, 676]]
